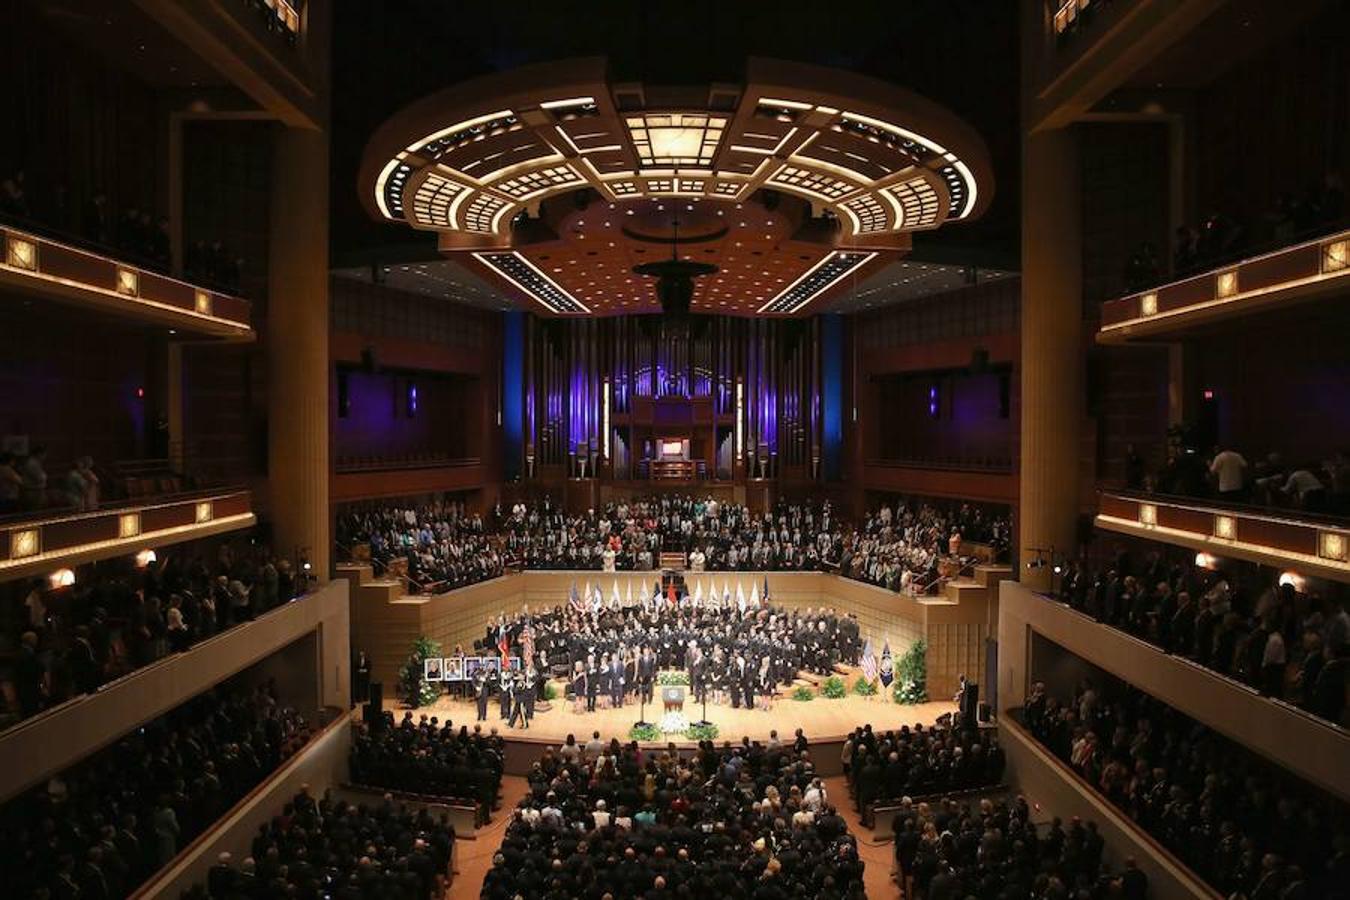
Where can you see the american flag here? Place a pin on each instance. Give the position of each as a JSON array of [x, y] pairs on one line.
[[504, 644], [869, 661], [574, 599], [527, 644]]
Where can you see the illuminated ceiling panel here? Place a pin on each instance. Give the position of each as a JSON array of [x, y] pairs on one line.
[[873, 161], [676, 139], [823, 276], [523, 274]]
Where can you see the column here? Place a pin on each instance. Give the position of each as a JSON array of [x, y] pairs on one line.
[[1053, 354], [297, 349]]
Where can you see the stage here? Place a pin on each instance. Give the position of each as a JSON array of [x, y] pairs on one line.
[[822, 720]]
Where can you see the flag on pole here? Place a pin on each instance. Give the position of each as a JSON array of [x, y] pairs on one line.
[[574, 599], [764, 596], [670, 593], [887, 666], [698, 593], [527, 644], [630, 592], [869, 661], [504, 645], [754, 595], [740, 597], [597, 598], [726, 593], [615, 601]]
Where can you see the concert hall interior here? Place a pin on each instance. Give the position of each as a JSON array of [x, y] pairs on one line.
[[671, 450]]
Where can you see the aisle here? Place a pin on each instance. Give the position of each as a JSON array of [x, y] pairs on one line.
[[878, 858], [473, 858]]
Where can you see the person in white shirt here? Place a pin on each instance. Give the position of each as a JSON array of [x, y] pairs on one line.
[[1306, 488], [815, 797], [1273, 660], [601, 816], [1230, 470]]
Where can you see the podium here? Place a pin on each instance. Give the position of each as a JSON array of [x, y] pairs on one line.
[[672, 697]]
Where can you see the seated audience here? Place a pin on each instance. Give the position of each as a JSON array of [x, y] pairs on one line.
[[736, 821], [918, 761], [334, 848], [425, 757], [992, 848], [104, 826], [1243, 825]]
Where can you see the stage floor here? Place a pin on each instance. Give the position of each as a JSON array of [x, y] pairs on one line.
[[821, 719]]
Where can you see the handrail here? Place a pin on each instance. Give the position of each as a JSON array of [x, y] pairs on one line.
[[945, 464], [377, 464], [54, 514], [1206, 504]]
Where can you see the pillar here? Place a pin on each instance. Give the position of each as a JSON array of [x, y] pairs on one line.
[[297, 349], [1053, 354]]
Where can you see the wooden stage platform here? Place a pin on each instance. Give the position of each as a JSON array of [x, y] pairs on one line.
[[825, 723]]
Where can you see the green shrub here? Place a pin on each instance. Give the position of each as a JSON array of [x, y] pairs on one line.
[[549, 692], [864, 688], [803, 694], [698, 732], [911, 675], [834, 688], [413, 687], [647, 732]]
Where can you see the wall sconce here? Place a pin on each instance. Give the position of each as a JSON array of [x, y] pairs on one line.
[[1226, 284], [1225, 527], [128, 525], [1148, 515], [145, 558], [1148, 304], [21, 254], [202, 303], [1333, 545], [27, 542], [1336, 255], [128, 282], [61, 578], [205, 512]]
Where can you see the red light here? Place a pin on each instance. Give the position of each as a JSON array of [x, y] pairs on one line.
[[1209, 395], [140, 392]]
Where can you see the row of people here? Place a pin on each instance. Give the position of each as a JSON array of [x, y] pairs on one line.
[[101, 828], [63, 641], [334, 848], [1240, 823], [1225, 474], [1289, 643], [917, 761]]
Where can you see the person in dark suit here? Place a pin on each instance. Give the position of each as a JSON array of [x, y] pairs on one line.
[[482, 689], [529, 693], [517, 700], [646, 672], [504, 692], [616, 682]]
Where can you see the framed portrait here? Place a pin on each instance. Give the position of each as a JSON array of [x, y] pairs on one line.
[[454, 668], [493, 664], [433, 669], [472, 666], [515, 664]]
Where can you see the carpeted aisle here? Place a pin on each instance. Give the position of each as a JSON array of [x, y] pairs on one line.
[[474, 858], [878, 857]]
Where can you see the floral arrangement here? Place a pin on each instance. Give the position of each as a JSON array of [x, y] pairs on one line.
[[834, 688], [548, 692], [911, 675], [864, 687], [673, 723], [803, 694], [672, 678]]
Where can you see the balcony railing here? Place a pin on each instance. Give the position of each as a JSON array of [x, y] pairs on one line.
[[34, 543], [1313, 545], [66, 273], [1297, 272], [347, 464]]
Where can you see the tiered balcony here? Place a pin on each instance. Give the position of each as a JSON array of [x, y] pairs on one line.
[[1283, 538], [1311, 270], [39, 543], [41, 267]]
